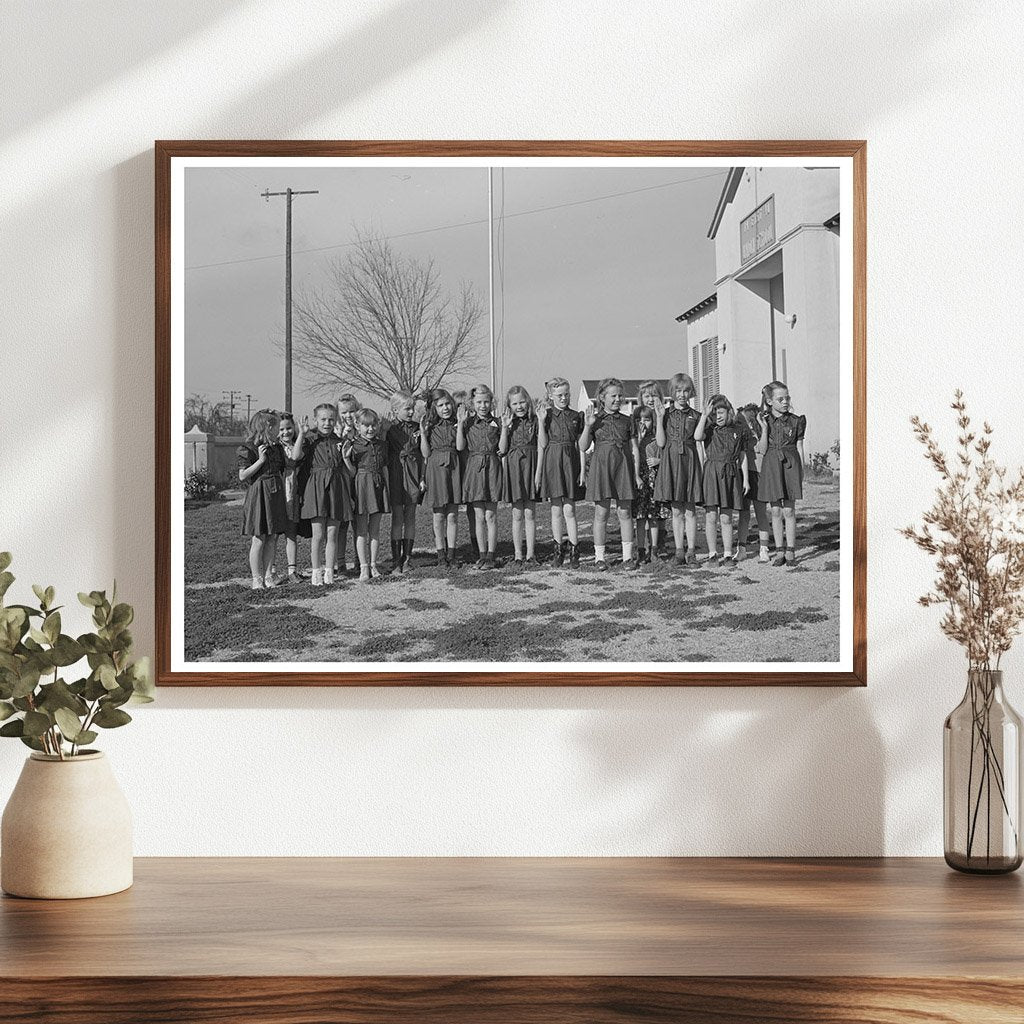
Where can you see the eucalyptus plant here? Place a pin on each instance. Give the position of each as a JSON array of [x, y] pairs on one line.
[[46, 712]]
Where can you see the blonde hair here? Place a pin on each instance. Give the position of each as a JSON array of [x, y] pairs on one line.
[[650, 387], [679, 381], [481, 389], [518, 389], [400, 399], [349, 399], [555, 382], [367, 416], [605, 385], [768, 393]]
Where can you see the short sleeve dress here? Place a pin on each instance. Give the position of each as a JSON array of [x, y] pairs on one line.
[[521, 460], [610, 474], [560, 464], [328, 490], [443, 469], [723, 475], [370, 486], [482, 476], [749, 453], [405, 462], [679, 474], [782, 472], [264, 511]]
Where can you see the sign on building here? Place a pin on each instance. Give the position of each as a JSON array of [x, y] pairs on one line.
[[757, 231]]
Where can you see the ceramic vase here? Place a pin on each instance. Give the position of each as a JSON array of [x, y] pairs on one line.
[[66, 831]]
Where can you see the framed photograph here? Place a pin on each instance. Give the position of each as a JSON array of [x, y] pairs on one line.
[[493, 413]]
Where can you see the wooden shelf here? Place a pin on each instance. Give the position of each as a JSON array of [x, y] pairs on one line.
[[282, 941]]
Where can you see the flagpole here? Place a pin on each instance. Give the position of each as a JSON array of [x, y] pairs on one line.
[[490, 264]]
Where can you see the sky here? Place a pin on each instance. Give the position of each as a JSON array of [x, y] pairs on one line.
[[592, 264]]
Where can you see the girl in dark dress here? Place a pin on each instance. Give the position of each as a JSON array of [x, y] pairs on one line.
[[327, 496], [726, 481], [781, 446], [261, 465], [442, 472], [680, 472], [405, 478], [613, 474], [287, 435], [520, 452], [747, 416], [648, 514], [367, 461], [560, 468], [481, 436], [345, 428]]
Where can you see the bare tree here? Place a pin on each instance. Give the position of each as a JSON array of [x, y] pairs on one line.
[[385, 324]]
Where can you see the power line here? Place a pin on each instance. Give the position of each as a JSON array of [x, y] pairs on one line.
[[467, 223]]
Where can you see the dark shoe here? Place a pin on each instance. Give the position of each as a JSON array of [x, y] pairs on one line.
[[488, 560], [632, 565], [601, 566], [712, 559], [533, 562], [790, 556], [518, 563], [407, 546], [442, 558], [691, 559], [574, 556], [558, 556], [648, 557], [680, 558], [779, 559]]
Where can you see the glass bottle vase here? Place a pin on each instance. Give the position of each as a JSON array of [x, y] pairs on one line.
[[981, 774]]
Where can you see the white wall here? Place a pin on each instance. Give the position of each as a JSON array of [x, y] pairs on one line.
[[87, 87]]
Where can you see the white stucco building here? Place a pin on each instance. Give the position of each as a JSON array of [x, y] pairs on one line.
[[774, 314]]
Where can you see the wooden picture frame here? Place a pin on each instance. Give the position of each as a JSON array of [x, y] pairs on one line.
[[849, 156]]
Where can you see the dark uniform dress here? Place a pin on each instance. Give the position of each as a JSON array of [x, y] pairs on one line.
[[328, 490], [644, 504], [749, 443], [371, 480], [723, 473], [611, 465], [521, 460], [405, 462], [264, 511], [782, 473], [560, 468], [679, 475], [482, 477], [443, 470]]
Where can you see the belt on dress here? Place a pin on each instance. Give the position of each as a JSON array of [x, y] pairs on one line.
[[621, 445]]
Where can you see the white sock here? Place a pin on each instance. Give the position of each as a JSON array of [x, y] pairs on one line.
[[598, 552], [627, 550]]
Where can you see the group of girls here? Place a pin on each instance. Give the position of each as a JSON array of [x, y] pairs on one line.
[[662, 462]]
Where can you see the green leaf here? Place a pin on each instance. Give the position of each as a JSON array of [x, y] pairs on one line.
[[38, 635], [87, 736], [122, 616], [69, 724], [59, 695], [15, 728], [6, 710], [111, 718], [22, 703], [94, 689], [6, 579], [89, 600], [5, 560], [40, 592], [94, 644], [27, 681], [13, 625], [31, 741], [51, 626], [10, 663], [50, 595], [107, 676], [36, 723], [66, 651]]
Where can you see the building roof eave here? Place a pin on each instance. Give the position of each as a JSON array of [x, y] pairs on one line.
[[703, 304], [732, 181]]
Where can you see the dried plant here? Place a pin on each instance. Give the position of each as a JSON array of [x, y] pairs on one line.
[[975, 528]]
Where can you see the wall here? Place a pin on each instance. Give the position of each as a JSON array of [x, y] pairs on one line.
[[86, 89]]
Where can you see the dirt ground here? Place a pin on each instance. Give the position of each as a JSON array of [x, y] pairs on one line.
[[663, 613]]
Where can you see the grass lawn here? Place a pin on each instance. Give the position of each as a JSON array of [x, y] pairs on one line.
[[663, 613]]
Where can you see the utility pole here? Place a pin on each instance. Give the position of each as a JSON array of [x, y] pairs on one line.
[[230, 396], [490, 266], [248, 407], [290, 193]]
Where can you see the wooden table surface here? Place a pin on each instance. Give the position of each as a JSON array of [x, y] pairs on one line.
[[508, 939]]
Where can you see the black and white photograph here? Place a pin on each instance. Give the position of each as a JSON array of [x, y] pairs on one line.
[[530, 414]]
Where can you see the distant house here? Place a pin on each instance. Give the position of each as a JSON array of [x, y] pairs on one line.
[[630, 393]]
